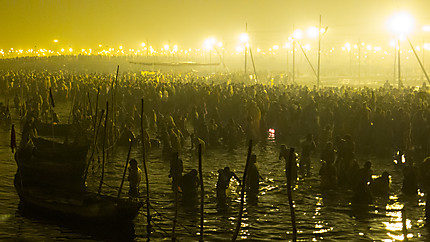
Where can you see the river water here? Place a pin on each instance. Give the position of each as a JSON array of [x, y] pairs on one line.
[[320, 215]]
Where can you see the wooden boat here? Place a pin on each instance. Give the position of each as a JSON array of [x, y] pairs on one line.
[[50, 178], [50, 163], [79, 205], [55, 129]]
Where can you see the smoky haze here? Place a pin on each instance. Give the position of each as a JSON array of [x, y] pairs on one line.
[[84, 23]]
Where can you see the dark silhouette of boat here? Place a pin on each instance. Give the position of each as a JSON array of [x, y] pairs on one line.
[[50, 178], [77, 205]]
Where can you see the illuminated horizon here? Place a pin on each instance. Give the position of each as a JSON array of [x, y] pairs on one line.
[[85, 24]]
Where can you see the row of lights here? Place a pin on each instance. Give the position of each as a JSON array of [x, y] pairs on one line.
[[400, 24], [167, 50]]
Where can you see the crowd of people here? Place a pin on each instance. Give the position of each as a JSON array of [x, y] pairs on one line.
[[224, 110]]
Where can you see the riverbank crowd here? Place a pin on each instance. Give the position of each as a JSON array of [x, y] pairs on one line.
[[334, 124]]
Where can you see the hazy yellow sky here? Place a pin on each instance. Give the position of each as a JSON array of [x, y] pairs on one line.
[[87, 23]]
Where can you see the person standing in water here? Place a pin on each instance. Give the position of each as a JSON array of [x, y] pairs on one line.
[[308, 147], [253, 178], [224, 176], [134, 177]]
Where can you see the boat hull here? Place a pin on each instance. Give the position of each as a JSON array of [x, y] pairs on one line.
[[78, 205]]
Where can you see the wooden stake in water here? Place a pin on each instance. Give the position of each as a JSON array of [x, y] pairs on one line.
[[125, 168], [242, 193], [404, 227], [290, 192], [148, 215], [96, 132], [103, 148], [202, 193], [114, 87], [97, 106], [91, 109]]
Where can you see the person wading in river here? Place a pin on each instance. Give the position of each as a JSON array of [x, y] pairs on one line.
[[134, 177], [223, 182]]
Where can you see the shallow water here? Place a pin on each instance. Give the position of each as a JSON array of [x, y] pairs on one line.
[[320, 215]]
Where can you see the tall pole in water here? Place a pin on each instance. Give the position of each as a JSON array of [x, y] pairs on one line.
[[319, 54]]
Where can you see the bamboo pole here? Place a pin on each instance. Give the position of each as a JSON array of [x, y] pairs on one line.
[[91, 109], [202, 193], [72, 108], [289, 166], [246, 31], [148, 214], [242, 193], [175, 218], [96, 131], [404, 227], [419, 61], [253, 63], [97, 106], [103, 148], [319, 54], [306, 56], [113, 103], [125, 169]]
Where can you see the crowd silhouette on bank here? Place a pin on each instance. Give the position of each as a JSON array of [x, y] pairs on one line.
[[334, 125]]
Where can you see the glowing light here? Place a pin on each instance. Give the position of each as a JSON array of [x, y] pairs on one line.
[[298, 34], [62, 50], [220, 44], [175, 48], [208, 44], [369, 47], [239, 48], [401, 23], [143, 44], [426, 28], [244, 38], [313, 32], [288, 45], [258, 50], [426, 46], [55, 40], [276, 47], [166, 47], [70, 49], [393, 43], [307, 47]]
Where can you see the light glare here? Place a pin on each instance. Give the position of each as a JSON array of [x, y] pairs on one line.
[[313, 32], [401, 23], [298, 34], [244, 38]]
